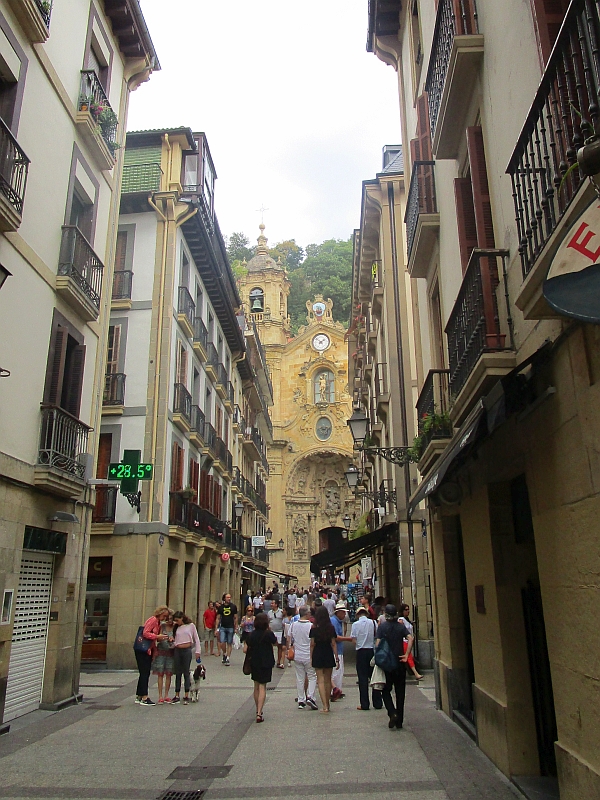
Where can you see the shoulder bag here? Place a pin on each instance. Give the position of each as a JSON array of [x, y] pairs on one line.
[[291, 652], [140, 644], [247, 665], [384, 657]]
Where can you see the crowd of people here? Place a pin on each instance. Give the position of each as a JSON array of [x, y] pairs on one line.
[[305, 628]]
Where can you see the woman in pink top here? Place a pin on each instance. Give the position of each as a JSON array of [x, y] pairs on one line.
[[186, 637]]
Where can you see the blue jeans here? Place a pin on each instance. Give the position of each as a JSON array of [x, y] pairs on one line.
[[226, 635]]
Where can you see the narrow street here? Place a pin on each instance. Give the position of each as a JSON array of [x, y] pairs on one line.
[[111, 749]]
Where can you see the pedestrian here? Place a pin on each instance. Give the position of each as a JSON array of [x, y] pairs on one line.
[[329, 604], [247, 624], [186, 643], [405, 611], [257, 602], [323, 654], [337, 620], [394, 633], [260, 644], [306, 676], [363, 635], [163, 661], [209, 619], [267, 602], [290, 617], [365, 602], [227, 618], [247, 599], [144, 657], [275, 616], [291, 600]]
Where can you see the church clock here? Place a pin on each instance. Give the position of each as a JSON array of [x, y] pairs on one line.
[[320, 342]]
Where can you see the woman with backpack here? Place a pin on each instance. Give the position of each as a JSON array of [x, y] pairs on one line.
[[390, 636]]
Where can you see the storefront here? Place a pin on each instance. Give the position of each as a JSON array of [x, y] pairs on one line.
[[97, 604]]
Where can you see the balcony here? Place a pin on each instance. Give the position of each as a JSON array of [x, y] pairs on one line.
[[121, 288], [377, 289], [220, 452], [113, 398], [141, 178], [197, 427], [434, 425], [14, 166], [34, 17], [190, 522], [454, 63], [209, 437], [546, 202], [477, 351], [186, 311], [96, 120], [253, 443], [182, 408], [422, 218], [60, 468], [222, 381], [238, 422], [228, 400], [236, 479], [382, 391], [212, 362], [200, 338], [79, 278], [106, 505]]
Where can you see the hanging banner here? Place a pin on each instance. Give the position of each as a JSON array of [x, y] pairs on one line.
[[572, 286]]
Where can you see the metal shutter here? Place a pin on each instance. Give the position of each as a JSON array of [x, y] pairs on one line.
[[28, 649]]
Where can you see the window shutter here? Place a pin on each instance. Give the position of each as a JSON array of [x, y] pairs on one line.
[[182, 366], [464, 16], [415, 150], [56, 366], [121, 251], [549, 15], [74, 381], [481, 191], [176, 468], [465, 217], [423, 127], [114, 341], [104, 451]]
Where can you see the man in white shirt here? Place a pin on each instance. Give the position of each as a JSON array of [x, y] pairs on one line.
[[329, 604], [257, 602], [299, 637], [291, 600], [363, 635]]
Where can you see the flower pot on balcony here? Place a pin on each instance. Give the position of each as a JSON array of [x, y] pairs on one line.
[[187, 494]]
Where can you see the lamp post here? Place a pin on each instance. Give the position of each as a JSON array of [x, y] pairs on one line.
[[268, 534], [239, 510], [352, 475], [281, 544], [359, 426], [346, 520]]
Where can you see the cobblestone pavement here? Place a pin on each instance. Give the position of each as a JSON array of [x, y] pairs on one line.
[[112, 749]]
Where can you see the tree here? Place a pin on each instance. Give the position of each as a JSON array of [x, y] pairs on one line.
[[328, 271], [237, 247], [290, 253]]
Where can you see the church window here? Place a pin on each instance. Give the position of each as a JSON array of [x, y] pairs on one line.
[[324, 384], [257, 301]]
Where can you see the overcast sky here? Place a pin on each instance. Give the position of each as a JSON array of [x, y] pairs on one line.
[[295, 110]]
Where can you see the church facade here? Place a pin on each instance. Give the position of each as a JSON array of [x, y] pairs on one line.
[[312, 446]]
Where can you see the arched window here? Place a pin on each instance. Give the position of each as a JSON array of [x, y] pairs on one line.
[[257, 301], [324, 384]]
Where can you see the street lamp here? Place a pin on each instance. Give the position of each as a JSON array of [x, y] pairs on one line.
[[352, 475], [281, 544], [268, 534], [358, 424], [346, 520]]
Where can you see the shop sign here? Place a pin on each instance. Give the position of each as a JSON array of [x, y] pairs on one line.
[[259, 541], [572, 285], [224, 556]]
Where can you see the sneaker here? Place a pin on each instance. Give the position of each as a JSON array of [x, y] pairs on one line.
[[301, 705], [186, 701], [138, 699], [227, 662], [224, 659], [160, 700], [147, 702], [311, 704], [167, 699], [175, 700]]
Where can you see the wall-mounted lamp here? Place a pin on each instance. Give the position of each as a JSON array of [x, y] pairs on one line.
[[359, 426]]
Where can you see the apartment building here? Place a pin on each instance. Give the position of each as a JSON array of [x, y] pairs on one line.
[[383, 371], [67, 71], [496, 100], [180, 394]]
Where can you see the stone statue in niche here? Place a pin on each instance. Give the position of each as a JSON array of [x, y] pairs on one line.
[[300, 531], [301, 480], [332, 501]]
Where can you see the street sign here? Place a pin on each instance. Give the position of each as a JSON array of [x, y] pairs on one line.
[[259, 541]]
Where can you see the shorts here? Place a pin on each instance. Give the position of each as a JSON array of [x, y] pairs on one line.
[[209, 635], [278, 636], [162, 663], [226, 635]]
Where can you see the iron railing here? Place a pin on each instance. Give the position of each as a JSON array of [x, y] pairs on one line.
[[261, 553], [381, 382], [186, 305], [114, 389], [106, 504], [565, 112], [141, 178], [212, 355], [182, 402], [220, 449], [14, 166], [210, 436], [433, 406], [78, 261], [200, 332], [236, 478], [63, 441], [230, 392], [122, 284], [421, 198], [454, 18], [198, 421], [229, 461], [474, 324], [238, 419], [45, 9], [222, 375], [92, 98]]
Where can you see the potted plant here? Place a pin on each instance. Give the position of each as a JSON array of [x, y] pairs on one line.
[[187, 494]]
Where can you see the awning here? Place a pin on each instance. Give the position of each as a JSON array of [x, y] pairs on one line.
[[282, 575], [249, 569], [351, 551], [465, 436]]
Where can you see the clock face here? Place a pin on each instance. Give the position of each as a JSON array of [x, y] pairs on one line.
[[320, 342]]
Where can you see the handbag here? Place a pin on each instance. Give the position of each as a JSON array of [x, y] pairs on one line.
[[141, 645], [247, 666], [378, 679], [291, 652], [384, 657]]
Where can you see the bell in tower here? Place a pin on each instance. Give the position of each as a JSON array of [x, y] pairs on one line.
[[257, 301]]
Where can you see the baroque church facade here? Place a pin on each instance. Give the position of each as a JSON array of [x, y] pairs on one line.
[[312, 446]]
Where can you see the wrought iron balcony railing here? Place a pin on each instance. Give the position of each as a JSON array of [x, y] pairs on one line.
[[421, 198], [210, 436], [63, 441], [236, 478], [474, 324], [200, 332], [433, 406], [141, 178], [45, 9], [198, 421], [114, 389], [182, 402], [220, 449], [78, 261], [454, 18], [222, 375], [238, 419], [106, 504], [213, 356], [92, 98], [564, 113], [186, 305], [122, 284], [14, 166]]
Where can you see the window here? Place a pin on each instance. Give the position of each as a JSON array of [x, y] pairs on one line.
[[184, 273], [64, 374], [324, 384], [176, 467], [181, 365], [417, 48], [82, 213], [199, 301], [13, 68], [257, 301], [194, 476], [209, 179], [114, 341], [437, 329], [190, 172]]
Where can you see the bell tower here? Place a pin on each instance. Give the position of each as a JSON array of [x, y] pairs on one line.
[[264, 290]]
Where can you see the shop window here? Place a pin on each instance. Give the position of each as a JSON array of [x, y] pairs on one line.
[[97, 605]]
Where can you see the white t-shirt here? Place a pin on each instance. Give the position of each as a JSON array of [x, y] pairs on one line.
[[291, 601], [257, 602], [329, 604], [300, 635]]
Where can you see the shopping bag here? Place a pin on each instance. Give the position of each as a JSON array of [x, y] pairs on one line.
[[236, 641]]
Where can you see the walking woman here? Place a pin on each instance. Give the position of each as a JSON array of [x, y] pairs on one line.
[[186, 638], [162, 664], [247, 624], [144, 658], [260, 644], [405, 611], [323, 654]]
